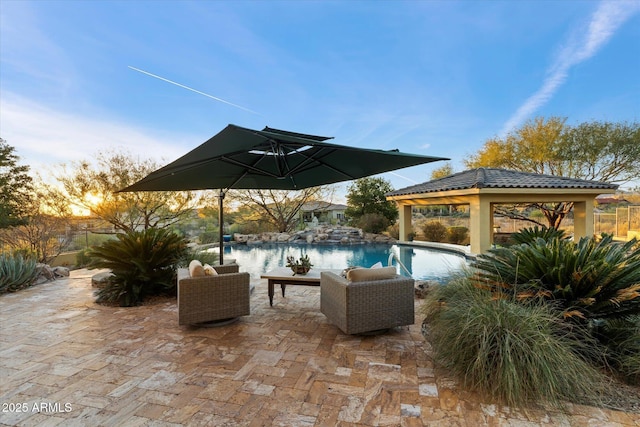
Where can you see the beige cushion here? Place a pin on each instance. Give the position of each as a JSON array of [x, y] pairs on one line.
[[209, 271], [196, 269], [346, 270], [367, 274]]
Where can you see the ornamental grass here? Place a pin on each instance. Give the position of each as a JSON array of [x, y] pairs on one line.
[[509, 352]]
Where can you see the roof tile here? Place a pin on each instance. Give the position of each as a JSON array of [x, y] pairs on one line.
[[500, 178]]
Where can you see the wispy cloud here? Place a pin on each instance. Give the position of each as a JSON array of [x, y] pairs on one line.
[[44, 137], [607, 18]]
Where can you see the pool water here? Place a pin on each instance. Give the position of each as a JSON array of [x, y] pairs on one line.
[[422, 263]]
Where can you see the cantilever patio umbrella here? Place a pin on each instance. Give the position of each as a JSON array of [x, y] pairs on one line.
[[241, 158]]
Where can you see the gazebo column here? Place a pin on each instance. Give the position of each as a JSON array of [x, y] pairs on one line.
[[404, 222], [583, 219], [480, 224]]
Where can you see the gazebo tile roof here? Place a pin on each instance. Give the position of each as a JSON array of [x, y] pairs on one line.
[[500, 178]]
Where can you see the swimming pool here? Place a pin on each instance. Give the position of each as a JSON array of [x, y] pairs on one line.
[[423, 263]]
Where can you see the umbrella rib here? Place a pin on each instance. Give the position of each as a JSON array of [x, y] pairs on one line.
[[281, 162], [238, 179], [303, 165], [249, 167], [279, 157], [246, 171], [176, 169]]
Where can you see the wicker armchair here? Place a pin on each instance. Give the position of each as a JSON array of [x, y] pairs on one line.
[[213, 298], [358, 307]]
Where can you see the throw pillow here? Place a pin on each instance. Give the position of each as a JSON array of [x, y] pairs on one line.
[[367, 274], [347, 270], [377, 265], [209, 271], [196, 269]]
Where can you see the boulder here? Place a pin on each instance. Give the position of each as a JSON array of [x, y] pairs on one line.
[[100, 280], [240, 238], [61, 271], [45, 271], [320, 234]]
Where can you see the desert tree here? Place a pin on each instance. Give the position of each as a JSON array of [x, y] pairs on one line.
[[16, 187], [600, 151], [367, 205], [46, 229], [443, 171], [278, 209], [94, 187]]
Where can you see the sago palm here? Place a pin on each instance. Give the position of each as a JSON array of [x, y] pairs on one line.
[[588, 280], [142, 263]]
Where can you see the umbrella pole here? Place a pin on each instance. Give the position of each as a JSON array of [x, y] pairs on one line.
[[220, 219]]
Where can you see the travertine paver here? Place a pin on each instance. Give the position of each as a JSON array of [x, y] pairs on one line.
[[66, 361]]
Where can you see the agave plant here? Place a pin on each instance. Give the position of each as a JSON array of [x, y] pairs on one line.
[[142, 262], [16, 272]]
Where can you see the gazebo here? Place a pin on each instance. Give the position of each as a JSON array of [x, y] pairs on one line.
[[483, 188]]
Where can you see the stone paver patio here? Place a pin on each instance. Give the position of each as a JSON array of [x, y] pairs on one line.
[[65, 360]]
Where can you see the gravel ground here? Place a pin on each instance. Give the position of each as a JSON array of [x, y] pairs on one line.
[[621, 397]]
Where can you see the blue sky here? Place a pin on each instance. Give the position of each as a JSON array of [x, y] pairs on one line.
[[427, 77]]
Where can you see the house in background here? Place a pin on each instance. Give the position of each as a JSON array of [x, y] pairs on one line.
[[605, 201], [324, 212]]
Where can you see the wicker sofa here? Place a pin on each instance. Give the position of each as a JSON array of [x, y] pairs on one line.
[[367, 306], [213, 298]]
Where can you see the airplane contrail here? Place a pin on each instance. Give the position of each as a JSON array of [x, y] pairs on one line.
[[192, 89], [404, 177]]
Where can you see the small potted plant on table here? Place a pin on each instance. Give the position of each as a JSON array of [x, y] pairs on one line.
[[301, 266]]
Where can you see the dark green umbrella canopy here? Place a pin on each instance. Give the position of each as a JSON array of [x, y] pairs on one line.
[[241, 158]]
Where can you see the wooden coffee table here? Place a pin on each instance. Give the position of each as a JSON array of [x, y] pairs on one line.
[[283, 276]]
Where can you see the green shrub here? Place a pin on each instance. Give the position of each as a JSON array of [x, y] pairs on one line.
[[458, 235], [143, 264], [394, 231], [592, 284], [531, 234], [628, 366], [621, 338], [586, 281], [373, 223], [16, 272], [249, 226], [508, 351], [205, 257], [82, 258], [209, 237], [434, 231]]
